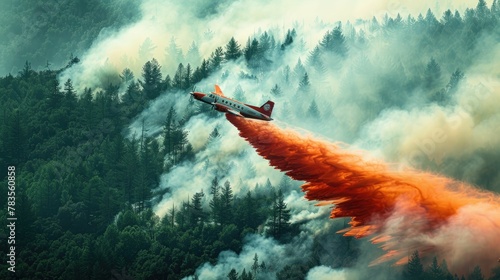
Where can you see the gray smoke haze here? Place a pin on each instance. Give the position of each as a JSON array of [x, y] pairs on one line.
[[211, 25], [268, 250], [360, 101]]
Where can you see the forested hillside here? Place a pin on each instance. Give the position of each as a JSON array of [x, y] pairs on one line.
[[91, 163]]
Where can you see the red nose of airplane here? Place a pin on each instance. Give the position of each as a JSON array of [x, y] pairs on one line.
[[198, 95]]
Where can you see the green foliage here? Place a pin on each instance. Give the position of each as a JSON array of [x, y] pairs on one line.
[[279, 223], [233, 50], [290, 34], [414, 269], [196, 212], [232, 275], [476, 273], [335, 42], [276, 90], [151, 82], [216, 59], [175, 144], [304, 85], [313, 110], [435, 271], [432, 74], [251, 50], [495, 273]]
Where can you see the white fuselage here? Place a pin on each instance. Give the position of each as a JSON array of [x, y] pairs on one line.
[[227, 105]]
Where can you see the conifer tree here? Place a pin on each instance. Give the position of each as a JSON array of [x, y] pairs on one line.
[[299, 69], [216, 201], [482, 10], [435, 272], [187, 77], [179, 77], [127, 76], [495, 9], [430, 18], [255, 265], [280, 220], [68, 88], [252, 51], [214, 135], [432, 74], [167, 83], [335, 42], [313, 111], [304, 85], [315, 61], [476, 274], [174, 53], [216, 59], [338, 42], [197, 215], [226, 201], [151, 79], [168, 129], [146, 49], [193, 56], [265, 42], [276, 90], [414, 269], [232, 275], [233, 50], [455, 79], [27, 71], [290, 34], [286, 75]]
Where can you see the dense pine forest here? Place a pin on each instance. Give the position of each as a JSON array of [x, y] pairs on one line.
[[89, 170]]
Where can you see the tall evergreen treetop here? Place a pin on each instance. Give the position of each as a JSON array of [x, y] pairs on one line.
[[193, 55], [151, 79], [233, 50], [414, 269]]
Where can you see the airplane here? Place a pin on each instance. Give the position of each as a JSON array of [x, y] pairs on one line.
[[224, 104]]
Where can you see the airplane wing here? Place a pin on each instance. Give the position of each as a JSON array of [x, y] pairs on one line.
[[236, 113], [218, 91]]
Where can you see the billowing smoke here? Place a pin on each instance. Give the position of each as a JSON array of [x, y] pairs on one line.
[[271, 253], [374, 98], [167, 28], [326, 273]]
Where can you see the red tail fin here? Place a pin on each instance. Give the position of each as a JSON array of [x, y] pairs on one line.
[[267, 108]]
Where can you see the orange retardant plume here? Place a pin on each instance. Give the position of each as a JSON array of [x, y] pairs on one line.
[[403, 210]]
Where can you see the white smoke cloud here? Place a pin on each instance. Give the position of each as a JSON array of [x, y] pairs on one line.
[[275, 256], [188, 22], [326, 273], [433, 132]]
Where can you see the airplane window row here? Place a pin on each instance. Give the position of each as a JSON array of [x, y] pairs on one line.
[[227, 102]]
